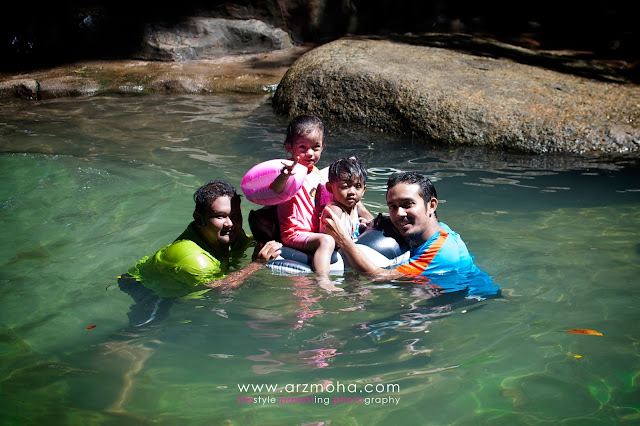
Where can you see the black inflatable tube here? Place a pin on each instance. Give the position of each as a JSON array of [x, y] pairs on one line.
[[295, 262]]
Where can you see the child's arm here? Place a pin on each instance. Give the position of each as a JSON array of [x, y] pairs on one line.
[[365, 216], [287, 171]]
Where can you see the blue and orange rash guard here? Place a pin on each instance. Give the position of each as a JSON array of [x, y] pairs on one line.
[[443, 252], [177, 268]]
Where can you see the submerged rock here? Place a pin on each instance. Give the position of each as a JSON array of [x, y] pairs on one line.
[[465, 98]]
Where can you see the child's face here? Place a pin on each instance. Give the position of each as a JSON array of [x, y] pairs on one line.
[[307, 148], [347, 192]]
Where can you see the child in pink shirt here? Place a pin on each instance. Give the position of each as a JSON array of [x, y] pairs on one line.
[[298, 217]]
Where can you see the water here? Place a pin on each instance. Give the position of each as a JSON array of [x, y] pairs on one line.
[[89, 186]]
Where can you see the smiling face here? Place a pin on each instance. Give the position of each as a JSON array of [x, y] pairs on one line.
[[215, 225], [308, 148], [347, 192], [413, 218]]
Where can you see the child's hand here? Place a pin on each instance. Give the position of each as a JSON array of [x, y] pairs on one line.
[[287, 170], [364, 224]]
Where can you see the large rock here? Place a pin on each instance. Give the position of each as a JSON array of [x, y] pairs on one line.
[[251, 74], [453, 97], [210, 38]]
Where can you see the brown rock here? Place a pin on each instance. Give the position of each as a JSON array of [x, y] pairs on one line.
[[236, 73], [461, 98]]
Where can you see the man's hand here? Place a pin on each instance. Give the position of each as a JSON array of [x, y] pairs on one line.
[[335, 228], [267, 252], [355, 258]]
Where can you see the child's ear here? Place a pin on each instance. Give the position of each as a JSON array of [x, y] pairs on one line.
[[329, 188], [288, 146]]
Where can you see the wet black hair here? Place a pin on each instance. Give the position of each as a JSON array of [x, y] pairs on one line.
[[303, 125], [207, 194], [349, 167], [427, 190]]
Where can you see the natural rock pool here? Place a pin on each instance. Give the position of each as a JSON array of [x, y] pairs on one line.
[[91, 185]]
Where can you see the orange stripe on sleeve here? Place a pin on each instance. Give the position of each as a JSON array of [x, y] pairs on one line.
[[418, 266]]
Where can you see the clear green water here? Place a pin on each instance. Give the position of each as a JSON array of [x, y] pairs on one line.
[[91, 185]]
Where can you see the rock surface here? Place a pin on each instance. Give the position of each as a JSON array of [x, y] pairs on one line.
[[492, 97], [210, 38], [236, 73]]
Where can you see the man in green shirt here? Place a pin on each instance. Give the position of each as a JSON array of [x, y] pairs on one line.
[[207, 254]]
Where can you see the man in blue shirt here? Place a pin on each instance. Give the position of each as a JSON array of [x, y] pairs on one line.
[[435, 248]]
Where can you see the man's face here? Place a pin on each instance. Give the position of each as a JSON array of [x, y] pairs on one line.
[[217, 228], [408, 212]]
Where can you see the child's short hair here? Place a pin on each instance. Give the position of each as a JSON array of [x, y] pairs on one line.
[[350, 167], [304, 125]]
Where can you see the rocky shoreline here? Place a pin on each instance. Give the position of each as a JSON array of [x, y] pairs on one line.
[[250, 74], [427, 87]]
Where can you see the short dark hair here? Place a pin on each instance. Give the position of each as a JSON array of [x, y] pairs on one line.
[[427, 190], [207, 194], [304, 125], [350, 167]]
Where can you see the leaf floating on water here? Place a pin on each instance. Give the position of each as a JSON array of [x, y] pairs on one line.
[[91, 326], [585, 331]]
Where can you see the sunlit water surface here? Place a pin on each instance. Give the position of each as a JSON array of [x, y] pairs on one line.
[[89, 186]]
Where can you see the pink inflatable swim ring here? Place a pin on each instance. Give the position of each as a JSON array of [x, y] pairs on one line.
[[324, 195], [256, 183]]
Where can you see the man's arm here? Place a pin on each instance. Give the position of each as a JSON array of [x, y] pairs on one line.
[[268, 252], [354, 256]]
